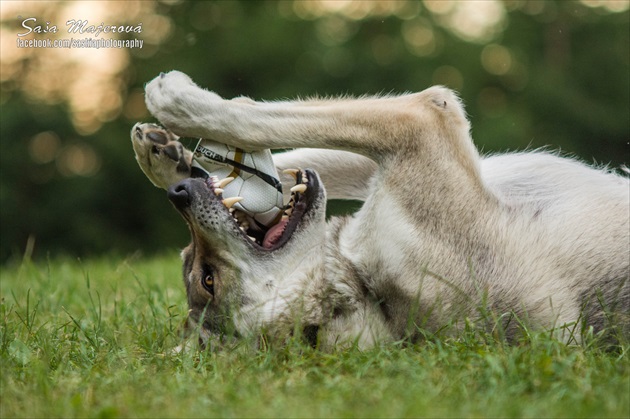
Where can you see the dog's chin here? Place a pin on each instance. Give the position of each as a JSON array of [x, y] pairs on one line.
[[211, 217]]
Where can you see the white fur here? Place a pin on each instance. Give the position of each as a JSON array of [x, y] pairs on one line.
[[443, 233]]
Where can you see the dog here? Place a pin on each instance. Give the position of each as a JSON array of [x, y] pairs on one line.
[[444, 238]]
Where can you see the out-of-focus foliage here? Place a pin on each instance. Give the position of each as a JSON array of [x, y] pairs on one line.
[[531, 73]]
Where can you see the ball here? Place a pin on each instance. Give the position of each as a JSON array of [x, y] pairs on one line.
[[255, 176]]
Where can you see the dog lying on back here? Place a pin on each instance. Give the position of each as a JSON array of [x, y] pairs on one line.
[[443, 238]]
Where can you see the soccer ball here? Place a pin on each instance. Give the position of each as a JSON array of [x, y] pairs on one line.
[[255, 180]]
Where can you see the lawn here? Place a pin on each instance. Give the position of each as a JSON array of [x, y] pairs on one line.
[[94, 338]]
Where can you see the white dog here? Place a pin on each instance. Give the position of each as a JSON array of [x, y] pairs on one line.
[[444, 236]]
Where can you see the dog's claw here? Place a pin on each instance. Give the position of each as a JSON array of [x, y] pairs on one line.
[[229, 202]]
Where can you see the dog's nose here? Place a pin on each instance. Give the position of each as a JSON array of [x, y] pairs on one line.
[[179, 194]]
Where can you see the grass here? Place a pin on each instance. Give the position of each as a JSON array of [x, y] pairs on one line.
[[94, 339]]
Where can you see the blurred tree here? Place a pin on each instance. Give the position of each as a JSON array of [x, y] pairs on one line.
[[531, 74]]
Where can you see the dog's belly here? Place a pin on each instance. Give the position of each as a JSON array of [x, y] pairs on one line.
[[557, 223]]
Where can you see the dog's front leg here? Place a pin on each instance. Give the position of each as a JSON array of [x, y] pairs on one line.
[[371, 126], [428, 128], [188, 110]]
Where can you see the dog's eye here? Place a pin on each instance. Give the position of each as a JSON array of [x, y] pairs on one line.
[[207, 279]]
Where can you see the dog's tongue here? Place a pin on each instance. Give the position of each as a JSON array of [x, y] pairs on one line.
[[274, 234]]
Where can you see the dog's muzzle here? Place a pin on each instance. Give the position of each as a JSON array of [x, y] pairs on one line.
[[179, 194]]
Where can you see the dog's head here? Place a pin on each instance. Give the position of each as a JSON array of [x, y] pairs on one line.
[[239, 280]]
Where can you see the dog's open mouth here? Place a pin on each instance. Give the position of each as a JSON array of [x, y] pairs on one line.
[[302, 196]]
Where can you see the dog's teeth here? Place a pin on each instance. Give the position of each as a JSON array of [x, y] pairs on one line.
[[304, 177], [224, 182], [228, 202], [285, 217], [292, 172], [252, 238], [218, 191], [288, 211], [299, 188], [232, 211], [214, 179]]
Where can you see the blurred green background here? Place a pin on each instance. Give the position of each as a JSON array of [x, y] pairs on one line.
[[531, 73]]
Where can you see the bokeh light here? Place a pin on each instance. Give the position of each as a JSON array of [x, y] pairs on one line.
[[496, 59], [90, 81], [530, 72]]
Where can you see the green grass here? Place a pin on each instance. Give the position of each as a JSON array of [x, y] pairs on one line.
[[94, 339]]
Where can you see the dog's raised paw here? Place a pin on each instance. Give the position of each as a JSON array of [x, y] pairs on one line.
[[162, 158], [176, 101]]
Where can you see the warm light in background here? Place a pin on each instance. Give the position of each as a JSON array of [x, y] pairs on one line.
[[614, 6], [496, 59], [93, 83]]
